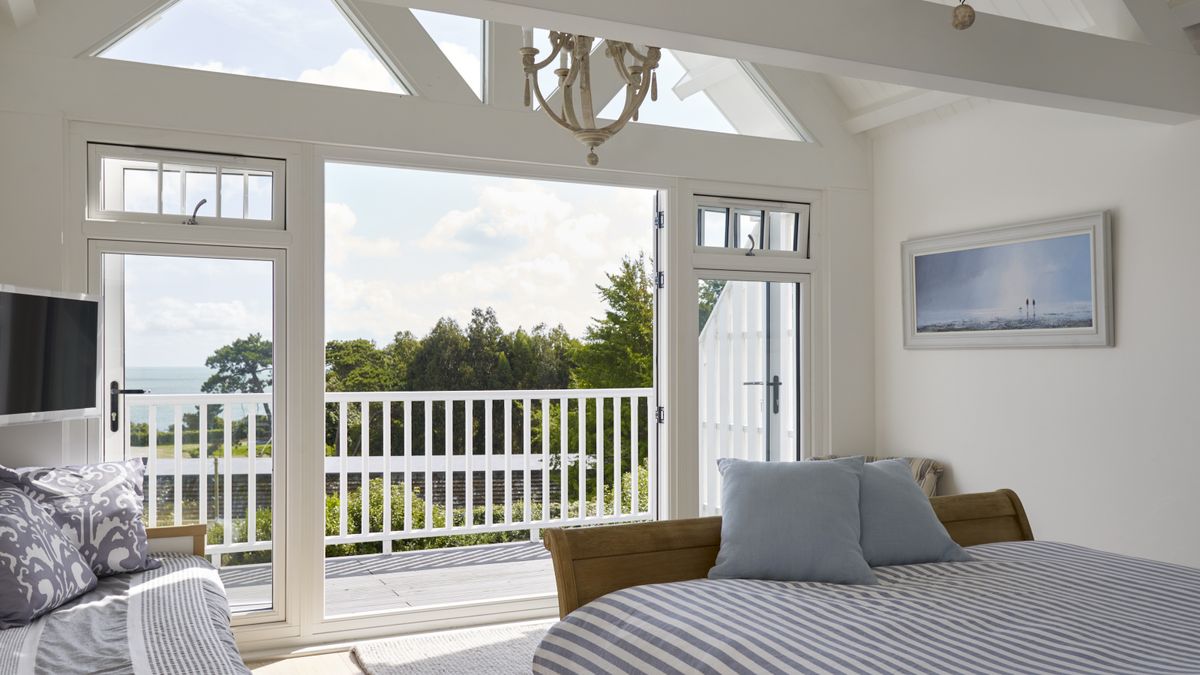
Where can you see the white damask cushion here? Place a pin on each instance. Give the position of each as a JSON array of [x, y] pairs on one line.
[[39, 569], [98, 508]]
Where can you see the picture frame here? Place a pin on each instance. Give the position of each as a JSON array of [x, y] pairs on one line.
[[981, 289]]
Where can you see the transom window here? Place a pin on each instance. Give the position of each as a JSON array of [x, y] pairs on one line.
[[150, 185], [782, 227]]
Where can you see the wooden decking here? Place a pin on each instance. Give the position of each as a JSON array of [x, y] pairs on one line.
[[375, 583]]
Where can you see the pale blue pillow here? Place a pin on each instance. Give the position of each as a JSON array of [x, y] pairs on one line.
[[791, 521], [899, 526]]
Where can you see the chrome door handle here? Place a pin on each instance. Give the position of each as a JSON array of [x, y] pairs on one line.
[[775, 384]]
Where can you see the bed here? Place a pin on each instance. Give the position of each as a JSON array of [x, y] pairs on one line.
[[174, 619], [634, 599]]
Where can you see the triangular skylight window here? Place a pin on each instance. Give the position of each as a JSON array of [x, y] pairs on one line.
[[710, 93], [461, 39], [298, 40]]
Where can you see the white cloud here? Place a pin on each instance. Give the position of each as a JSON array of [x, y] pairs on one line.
[[341, 244], [556, 249], [466, 63], [356, 69], [219, 67]]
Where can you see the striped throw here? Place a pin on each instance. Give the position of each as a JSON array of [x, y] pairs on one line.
[[1019, 607]]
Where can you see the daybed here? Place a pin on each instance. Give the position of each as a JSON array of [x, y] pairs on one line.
[[635, 598], [173, 619]]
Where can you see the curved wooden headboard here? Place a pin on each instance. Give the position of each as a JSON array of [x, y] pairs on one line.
[[593, 561]]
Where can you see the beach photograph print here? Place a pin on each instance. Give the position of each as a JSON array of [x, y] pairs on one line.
[[1042, 284]]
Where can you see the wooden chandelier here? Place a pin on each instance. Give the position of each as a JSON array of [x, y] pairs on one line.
[[578, 113]]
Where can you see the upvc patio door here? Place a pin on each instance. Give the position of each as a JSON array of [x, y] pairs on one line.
[[753, 371], [194, 346]]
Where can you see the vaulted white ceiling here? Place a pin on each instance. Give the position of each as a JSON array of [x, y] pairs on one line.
[[876, 105], [1169, 24]]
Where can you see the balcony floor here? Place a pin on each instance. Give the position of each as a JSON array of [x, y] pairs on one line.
[[373, 583]]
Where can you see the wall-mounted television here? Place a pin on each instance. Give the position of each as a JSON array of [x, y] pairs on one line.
[[50, 354]]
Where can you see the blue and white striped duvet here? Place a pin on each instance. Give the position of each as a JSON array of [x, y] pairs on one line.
[[1020, 607]]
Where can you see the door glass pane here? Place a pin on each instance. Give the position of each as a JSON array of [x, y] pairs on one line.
[[172, 192], [712, 227], [141, 191], [782, 234], [749, 229], [233, 193], [200, 186], [750, 340], [258, 206], [196, 334], [489, 373]]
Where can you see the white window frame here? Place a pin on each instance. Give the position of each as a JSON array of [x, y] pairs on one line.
[[97, 152], [802, 209]]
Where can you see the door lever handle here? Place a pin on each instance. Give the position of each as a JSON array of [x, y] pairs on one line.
[[750, 383], [114, 391]]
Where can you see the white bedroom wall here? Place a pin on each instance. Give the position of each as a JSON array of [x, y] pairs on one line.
[[1102, 445], [31, 246]]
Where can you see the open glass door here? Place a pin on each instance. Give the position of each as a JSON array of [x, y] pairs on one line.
[[193, 384], [753, 372]]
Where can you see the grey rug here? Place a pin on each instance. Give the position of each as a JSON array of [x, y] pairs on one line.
[[494, 650]]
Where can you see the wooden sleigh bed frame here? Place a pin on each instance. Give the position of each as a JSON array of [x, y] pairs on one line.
[[593, 561]]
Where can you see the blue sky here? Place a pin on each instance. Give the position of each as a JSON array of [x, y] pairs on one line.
[[1055, 272], [311, 41], [302, 40], [179, 310], [405, 247]]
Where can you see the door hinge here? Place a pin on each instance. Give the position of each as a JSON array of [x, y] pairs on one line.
[[660, 415], [660, 220], [660, 279]]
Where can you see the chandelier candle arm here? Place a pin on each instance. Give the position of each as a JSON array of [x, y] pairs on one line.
[[578, 114]]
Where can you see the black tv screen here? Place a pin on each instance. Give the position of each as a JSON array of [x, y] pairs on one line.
[[48, 354]]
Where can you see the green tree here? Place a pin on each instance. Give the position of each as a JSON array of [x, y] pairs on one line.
[[709, 291], [618, 348], [243, 367]]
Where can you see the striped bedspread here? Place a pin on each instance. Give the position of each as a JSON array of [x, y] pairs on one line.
[[174, 619], [1020, 607]]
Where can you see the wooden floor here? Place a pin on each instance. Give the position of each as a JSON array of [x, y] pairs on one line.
[[375, 583]]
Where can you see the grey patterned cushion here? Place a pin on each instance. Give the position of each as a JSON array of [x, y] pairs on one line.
[[39, 568], [98, 507], [925, 471]]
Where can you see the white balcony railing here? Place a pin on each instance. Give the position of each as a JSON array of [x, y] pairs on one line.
[[465, 462]]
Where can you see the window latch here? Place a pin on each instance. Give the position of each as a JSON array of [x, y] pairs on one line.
[[192, 220]]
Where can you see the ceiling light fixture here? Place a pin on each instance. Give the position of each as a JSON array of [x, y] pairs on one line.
[[964, 16], [636, 69]]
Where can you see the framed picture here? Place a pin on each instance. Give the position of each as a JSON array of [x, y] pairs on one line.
[[1042, 284]]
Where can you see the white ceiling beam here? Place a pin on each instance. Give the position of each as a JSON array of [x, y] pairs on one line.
[[402, 42], [809, 97], [702, 78], [906, 42], [121, 92], [504, 77], [22, 12], [1159, 24], [900, 107], [1187, 13]]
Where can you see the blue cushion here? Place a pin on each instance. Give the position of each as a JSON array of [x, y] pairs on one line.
[[899, 526], [791, 521]]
